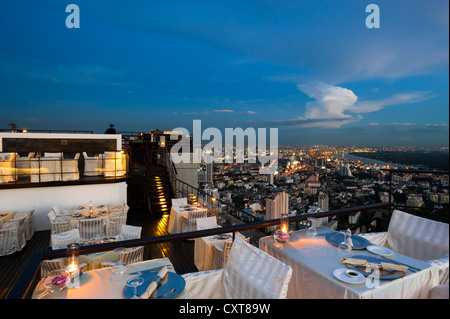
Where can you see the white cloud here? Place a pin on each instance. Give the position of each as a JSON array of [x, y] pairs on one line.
[[333, 106], [223, 111]]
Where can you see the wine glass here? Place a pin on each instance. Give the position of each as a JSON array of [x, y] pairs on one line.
[[118, 271], [56, 280], [311, 232], [134, 283], [345, 247]]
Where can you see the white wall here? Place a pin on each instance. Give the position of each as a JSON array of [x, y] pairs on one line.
[[65, 197]]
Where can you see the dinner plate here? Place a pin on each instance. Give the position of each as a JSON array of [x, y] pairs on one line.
[[349, 276], [174, 281], [358, 241], [379, 250], [383, 274]]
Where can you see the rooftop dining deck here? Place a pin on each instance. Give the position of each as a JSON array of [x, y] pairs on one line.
[[179, 252]]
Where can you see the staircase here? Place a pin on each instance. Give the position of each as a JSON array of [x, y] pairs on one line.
[[159, 190]]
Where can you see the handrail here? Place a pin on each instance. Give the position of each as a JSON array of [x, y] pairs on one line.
[[24, 284]]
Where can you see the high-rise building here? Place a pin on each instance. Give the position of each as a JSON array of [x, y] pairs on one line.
[[276, 207], [324, 202]]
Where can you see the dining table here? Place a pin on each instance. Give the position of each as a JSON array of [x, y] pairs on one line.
[[6, 216], [176, 217], [204, 251], [94, 260], [83, 212], [319, 273], [101, 284]]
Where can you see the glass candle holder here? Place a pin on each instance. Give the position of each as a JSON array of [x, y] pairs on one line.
[[281, 235], [73, 257], [73, 265]]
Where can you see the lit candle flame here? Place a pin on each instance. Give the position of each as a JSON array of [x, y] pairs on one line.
[[72, 267]]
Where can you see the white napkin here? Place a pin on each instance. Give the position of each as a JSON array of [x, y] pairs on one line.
[[154, 284]]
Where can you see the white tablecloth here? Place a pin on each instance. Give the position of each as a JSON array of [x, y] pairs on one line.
[[314, 260], [204, 251], [176, 219], [97, 284]]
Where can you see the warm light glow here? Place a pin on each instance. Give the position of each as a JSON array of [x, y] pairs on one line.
[[72, 267], [284, 229]]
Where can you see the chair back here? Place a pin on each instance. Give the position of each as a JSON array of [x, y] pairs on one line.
[[115, 225], [250, 273], [207, 223], [179, 201], [50, 265], [51, 216], [9, 239], [91, 227], [20, 219], [59, 226], [417, 237], [130, 232], [29, 226], [133, 255], [196, 214], [61, 240]]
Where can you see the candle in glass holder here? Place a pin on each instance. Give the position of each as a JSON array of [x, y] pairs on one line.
[[282, 235], [73, 265]]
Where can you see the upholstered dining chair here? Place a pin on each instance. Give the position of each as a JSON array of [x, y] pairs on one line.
[[417, 237], [249, 273]]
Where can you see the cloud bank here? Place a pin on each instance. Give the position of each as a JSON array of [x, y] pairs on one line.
[[333, 106]]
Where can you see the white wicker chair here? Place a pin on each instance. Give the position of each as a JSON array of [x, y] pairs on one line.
[[190, 221], [56, 226], [9, 239], [61, 213], [132, 255], [50, 265], [130, 232], [61, 240], [19, 219], [177, 202], [417, 237], [91, 227], [249, 273], [115, 225], [29, 226], [119, 210], [206, 223]]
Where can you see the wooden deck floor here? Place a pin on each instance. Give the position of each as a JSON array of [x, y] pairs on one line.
[[180, 253]]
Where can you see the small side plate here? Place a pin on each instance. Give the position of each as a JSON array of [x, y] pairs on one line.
[[379, 250]]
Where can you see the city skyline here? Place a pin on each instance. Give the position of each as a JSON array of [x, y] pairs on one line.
[[312, 69]]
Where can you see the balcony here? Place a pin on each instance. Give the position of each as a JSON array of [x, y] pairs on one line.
[[179, 249]]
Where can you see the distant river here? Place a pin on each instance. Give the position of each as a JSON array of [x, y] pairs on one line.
[[368, 160]]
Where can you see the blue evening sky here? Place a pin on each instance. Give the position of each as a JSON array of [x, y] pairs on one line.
[[310, 68]]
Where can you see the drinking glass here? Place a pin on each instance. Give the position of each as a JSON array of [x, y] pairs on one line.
[[311, 232], [118, 271], [344, 247], [56, 280], [134, 283]]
